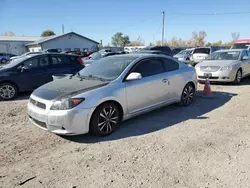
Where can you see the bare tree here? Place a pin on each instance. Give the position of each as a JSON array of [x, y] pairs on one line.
[[199, 38], [137, 42], [235, 35], [8, 33]]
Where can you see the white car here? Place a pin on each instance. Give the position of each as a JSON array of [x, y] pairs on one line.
[[225, 66], [110, 90]]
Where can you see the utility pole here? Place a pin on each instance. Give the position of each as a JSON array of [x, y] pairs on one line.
[[163, 18], [62, 28]]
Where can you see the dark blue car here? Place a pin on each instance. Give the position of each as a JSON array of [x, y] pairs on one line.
[[29, 72]]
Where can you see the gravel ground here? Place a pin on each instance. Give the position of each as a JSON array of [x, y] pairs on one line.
[[205, 145]]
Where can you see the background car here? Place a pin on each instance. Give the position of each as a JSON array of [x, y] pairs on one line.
[[97, 55], [225, 66], [176, 50], [184, 55], [4, 57], [112, 89], [29, 72], [25, 54], [51, 51], [151, 52], [201, 53], [164, 49]]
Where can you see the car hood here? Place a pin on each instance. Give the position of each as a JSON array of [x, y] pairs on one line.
[[218, 62], [66, 87]]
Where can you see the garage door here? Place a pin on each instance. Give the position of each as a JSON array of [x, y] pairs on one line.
[[3, 48]]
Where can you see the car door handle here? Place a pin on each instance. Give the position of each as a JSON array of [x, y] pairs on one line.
[[165, 80]]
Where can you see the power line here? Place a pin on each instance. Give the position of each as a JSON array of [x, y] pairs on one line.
[[208, 14], [134, 24]]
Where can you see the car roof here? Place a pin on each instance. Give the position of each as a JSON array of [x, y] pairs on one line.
[[231, 50]]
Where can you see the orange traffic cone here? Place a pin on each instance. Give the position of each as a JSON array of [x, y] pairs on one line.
[[207, 89]]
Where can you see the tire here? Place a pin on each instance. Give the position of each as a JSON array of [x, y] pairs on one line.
[[8, 91], [3, 61], [102, 123], [188, 95], [238, 77]]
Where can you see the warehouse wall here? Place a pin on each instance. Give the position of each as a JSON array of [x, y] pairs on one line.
[[13, 47], [70, 41]]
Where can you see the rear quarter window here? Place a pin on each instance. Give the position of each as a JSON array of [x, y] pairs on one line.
[[202, 50], [170, 65]]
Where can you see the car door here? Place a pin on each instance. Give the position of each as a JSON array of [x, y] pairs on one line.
[[248, 61], [33, 73], [60, 64], [148, 91], [245, 63], [175, 79]]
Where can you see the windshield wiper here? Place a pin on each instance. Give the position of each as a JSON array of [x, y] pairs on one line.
[[98, 78]]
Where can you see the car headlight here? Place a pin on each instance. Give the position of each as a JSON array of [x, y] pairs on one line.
[[226, 68], [66, 104]]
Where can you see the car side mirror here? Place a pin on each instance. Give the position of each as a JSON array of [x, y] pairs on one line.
[[134, 76], [245, 58], [24, 68]]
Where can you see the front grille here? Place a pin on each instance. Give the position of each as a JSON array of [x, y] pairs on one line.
[[38, 104], [211, 77], [209, 68], [40, 123]]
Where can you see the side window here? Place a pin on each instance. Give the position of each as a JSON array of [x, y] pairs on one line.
[[248, 52], [67, 49], [244, 53], [149, 67], [170, 65], [60, 60], [44, 61], [32, 63]]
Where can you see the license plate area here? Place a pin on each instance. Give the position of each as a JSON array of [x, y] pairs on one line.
[[207, 75]]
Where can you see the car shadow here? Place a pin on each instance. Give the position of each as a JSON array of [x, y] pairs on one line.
[[23, 96], [161, 118]]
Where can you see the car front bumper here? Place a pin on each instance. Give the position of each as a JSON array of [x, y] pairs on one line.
[[62, 122], [218, 76]]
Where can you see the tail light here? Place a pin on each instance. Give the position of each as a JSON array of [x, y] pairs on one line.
[[80, 61]]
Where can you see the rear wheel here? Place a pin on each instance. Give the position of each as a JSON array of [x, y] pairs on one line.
[[104, 119], [238, 77], [188, 95], [3, 61], [8, 91]]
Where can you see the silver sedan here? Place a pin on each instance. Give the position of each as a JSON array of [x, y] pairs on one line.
[[111, 90], [225, 66]]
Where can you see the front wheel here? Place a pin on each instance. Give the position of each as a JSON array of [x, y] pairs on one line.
[[188, 95], [8, 91], [104, 119], [238, 77]]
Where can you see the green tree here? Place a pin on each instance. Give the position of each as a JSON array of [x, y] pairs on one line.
[[120, 40], [47, 33]]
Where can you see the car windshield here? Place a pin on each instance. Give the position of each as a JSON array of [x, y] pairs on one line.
[[96, 56], [230, 55], [241, 46], [108, 68], [184, 52]]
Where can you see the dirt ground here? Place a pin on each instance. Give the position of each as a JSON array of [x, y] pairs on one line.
[[205, 145]]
